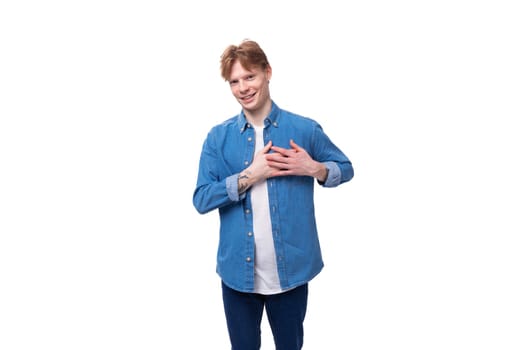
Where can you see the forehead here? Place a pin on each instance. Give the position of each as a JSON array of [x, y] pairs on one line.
[[238, 70]]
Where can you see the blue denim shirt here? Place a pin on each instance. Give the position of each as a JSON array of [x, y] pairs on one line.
[[229, 149]]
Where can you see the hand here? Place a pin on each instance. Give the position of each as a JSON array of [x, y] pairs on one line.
[[259, 169], [295, 161]]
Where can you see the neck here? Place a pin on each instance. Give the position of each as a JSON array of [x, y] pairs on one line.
[[256, 117]]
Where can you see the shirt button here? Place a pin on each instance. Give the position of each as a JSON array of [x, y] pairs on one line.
[[250, 234], [249, 138], [248, 259], [247, 211], [245, 162]]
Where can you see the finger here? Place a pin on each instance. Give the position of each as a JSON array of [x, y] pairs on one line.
[[295, 146], [279, 149], [276, 158], [267, 147]]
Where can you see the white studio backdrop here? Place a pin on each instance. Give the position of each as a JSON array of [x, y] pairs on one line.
[[104, 106]]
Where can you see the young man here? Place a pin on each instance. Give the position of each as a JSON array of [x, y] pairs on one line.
[[258, 169]]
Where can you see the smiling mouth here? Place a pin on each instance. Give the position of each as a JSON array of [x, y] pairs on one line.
[[248, 97]]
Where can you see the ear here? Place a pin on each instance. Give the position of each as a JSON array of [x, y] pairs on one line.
[[268, 73]]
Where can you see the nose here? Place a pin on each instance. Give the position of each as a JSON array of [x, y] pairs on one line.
[[242, 86]]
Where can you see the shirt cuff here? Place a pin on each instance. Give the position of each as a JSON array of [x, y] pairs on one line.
[[334, 174], [232, 187]]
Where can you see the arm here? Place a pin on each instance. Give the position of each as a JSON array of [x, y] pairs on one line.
[[214, 190], [296, 161], [258, 170], [326, 162]]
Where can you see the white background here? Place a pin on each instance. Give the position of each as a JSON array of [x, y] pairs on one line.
[[104, 106]]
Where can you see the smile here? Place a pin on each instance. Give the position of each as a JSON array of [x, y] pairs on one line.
[[248, 97]]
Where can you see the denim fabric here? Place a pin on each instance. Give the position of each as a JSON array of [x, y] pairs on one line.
[[227, 150], [285, 311]]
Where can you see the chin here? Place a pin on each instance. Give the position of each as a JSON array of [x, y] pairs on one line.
[[249, 106]]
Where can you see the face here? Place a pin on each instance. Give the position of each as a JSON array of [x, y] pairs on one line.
[[250, 87]]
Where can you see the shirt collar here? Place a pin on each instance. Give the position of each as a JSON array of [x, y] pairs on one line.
[[271, 119]]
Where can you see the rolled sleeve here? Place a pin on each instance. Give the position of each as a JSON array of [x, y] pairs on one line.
[[334, 174], [232, 187]]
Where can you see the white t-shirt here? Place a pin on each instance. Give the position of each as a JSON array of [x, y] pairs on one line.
[[266, 276]]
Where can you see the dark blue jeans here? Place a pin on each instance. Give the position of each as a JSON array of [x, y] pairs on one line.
[[285, 313]]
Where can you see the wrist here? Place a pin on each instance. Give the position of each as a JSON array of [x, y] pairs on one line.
[[321, 173], [244, 181]]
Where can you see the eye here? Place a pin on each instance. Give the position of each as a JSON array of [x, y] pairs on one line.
[[233, 82], [250, 77]]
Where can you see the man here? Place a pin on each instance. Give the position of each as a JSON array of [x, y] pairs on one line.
[[258, 169]]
